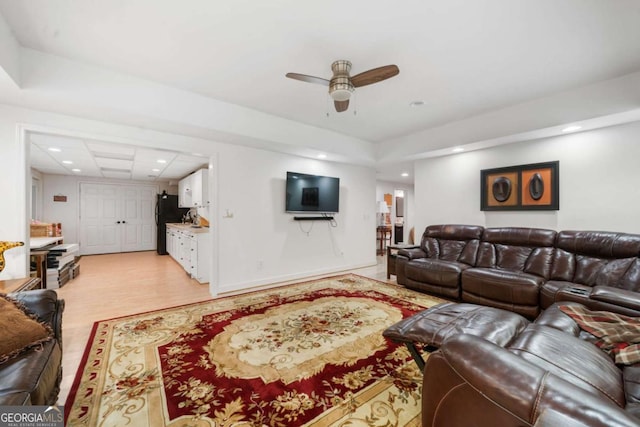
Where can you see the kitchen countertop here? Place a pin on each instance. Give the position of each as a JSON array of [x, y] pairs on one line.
[[188, 227]]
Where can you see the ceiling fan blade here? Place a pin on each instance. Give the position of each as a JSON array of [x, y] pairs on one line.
[[374, 76], [308, 79], [341, 105]]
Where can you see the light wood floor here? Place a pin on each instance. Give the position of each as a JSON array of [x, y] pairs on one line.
[[123, 284]]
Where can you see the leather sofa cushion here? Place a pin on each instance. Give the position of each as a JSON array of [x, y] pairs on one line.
[[33, 372], [553, 317], [436, 324], [572, 359], [15, 398], [616, 296], [502, 285], [599, 244], [436, 272], [631, 375]]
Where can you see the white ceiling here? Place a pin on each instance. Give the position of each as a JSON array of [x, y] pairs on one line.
[[64, 155], [463, 58]]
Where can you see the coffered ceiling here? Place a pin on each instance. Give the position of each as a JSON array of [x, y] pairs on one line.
[[486, 71]]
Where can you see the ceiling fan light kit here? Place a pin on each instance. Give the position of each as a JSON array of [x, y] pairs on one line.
[[342, 85]]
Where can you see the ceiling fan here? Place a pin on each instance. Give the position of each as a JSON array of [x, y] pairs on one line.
[[342, 85]]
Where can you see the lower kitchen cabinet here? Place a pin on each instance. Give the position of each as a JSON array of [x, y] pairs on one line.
[[191, 249]]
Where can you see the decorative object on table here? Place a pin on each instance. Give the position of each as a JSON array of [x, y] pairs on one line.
[[310, 353], [5, 246], [524, 187], [383, 210]]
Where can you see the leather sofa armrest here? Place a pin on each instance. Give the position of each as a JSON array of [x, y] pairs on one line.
[[412, 253], [44, 303], [621, 297], [527, 391]]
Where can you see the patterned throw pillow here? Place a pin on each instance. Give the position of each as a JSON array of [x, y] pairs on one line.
[[617, 335], [19, 329]]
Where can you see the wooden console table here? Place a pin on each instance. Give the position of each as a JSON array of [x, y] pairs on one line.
[[19, 285], [383, 234]]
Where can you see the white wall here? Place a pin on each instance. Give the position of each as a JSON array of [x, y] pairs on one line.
[[265, 243], [249, 182], [67, 213], [599, 175]]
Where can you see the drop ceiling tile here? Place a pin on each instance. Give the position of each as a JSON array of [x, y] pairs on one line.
[[113, 163]]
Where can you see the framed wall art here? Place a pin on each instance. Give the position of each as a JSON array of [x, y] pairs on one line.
[[525, 187]]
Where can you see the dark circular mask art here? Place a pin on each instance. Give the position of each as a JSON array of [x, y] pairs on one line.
[[501, 189], [536, 186]]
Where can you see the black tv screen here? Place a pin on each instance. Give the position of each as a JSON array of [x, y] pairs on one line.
[[312, 193]]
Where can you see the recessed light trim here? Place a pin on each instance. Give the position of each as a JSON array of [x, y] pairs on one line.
[[322, 156], [75, 170], [405, 174], [54, 149], [162, 161], [67, 162], [155, 170], [571, 128], [458, 150], [417, 103]]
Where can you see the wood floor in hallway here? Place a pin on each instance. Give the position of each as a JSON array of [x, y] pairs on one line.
[[116, 285]]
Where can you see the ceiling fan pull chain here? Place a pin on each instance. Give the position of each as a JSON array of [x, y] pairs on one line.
[[355, 104], [327, 109]]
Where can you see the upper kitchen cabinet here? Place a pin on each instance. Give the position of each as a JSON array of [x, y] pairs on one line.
[[185, 192], [193, 190]]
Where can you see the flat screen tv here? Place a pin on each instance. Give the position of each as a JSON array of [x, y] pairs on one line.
[[312, 193]]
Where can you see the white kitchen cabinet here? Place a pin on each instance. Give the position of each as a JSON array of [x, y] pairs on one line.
[[191, 249], [170, 241], [193, 190], [200, 187], [185, 192]]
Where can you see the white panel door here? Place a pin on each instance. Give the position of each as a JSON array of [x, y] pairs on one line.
[[116, 218]]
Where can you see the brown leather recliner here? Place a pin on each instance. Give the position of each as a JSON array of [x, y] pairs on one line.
[[33, 378], [549, 372], [444, 253], [512, 264], [600, 270]]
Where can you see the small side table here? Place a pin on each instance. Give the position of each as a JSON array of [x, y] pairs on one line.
[[392, 252], [384, 234]]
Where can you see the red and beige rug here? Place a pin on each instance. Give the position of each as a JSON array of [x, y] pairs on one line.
[[305, 354]]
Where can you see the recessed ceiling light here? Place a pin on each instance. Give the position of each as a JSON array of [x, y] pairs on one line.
[[162, 161], [416, 103], [322, 156], [405, 174], [458, 150], [75, 170], [571, 128], [67, 162], [155, 170], [54, 149]]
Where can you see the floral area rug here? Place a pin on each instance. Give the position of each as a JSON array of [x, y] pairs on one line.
[[305, 354]]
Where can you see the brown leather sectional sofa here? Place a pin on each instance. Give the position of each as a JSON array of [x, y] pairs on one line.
[[33, 378], [545, 374], [525, 270]]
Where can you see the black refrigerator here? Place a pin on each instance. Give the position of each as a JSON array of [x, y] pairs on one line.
[[167, 211]]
